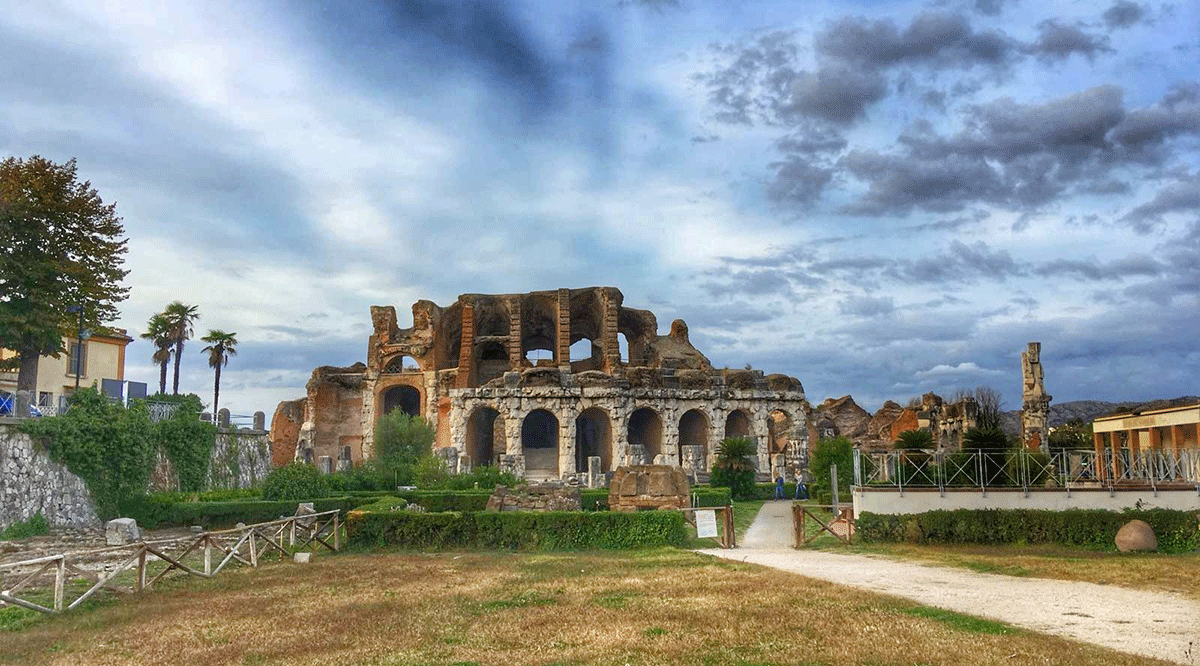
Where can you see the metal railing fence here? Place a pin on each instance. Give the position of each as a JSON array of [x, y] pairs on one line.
[[1024, 469]]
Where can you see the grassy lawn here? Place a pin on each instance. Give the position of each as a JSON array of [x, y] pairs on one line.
[[663, 606], [1145, 571]]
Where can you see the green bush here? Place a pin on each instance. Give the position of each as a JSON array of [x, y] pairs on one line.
[[401, 441], [1177, 531], [153, 512], [827, 452], [518, 530], [35, 525], [297, 481], [187, 441], [734, 468]]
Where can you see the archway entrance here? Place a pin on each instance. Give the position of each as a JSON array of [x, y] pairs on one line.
[[405, 398], [779, 428], [645, 429], [693, 431], [737, 424], [539, 442], [593, 437], [485, 436]]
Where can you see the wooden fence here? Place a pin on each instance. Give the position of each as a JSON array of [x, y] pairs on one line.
[[250, 544], [841, 527]]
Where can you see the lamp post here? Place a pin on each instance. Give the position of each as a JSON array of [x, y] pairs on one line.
[[80, 336]]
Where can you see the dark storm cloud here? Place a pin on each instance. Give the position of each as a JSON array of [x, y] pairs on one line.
[[798, 181], [1123, 14], [1091, 269], [837, 95], [1058, 41], [960, 262], [815, 141], [898, 183], [1177, 113], [991, 7], [1181, 196], [866, 306], [934, 38]]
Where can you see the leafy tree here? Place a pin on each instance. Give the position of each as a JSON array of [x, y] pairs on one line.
[[179, 320], [158, 331], [734, 467], [1074, 435], [62, 248], [221, 346], [990, 406], [111, 447], [401, 441], [826, 453], [914, 439], [297, 481]]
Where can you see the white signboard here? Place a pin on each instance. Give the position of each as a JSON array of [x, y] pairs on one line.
[[706, 523]]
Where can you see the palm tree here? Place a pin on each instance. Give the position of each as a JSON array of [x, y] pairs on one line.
[[179, 318], [158, 331], [221, 346]]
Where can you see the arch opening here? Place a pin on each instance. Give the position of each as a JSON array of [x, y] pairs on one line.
[[485, 437], [693, 431], [737, 424], [405, 398], [539, 441], [401, 363], [645, 430], [492, 361], [780, 430], [593, 437]]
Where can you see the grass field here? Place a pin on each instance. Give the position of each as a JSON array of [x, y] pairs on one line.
[[662, 606]]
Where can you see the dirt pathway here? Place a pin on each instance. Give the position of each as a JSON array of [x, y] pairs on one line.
[[1159, 625]]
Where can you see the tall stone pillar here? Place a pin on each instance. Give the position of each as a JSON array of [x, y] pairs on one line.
[[514, 333], [611, 342], [562, 334], [1035, 402], [466, 371]]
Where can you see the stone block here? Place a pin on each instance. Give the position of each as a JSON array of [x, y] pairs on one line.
[[1136, 535], [302, 558], [121, 531]]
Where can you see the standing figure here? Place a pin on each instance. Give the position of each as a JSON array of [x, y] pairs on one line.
[[801, 489]]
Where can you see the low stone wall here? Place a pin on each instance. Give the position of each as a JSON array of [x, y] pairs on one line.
[[240, 459], [30, 482], [919, 500]]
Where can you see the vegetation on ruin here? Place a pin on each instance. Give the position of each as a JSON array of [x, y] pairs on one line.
[[1075, 434], [914, 439], [187, 441], [62, 249], [658, 606], [110, 447], [734, 467], [35, 525], [401, 441], [296, 481], [826, 453]]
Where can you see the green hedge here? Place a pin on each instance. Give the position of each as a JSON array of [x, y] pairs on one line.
[[1177, 531], [155, 512], [518, 530]]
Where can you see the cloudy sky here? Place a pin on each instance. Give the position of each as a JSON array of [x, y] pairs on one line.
[[879, 198]]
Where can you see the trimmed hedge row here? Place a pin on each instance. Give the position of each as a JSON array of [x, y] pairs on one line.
[[154, 512], [517, 530], [1177, 531]]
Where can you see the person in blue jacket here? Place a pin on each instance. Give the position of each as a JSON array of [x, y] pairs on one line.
[[779, 487]]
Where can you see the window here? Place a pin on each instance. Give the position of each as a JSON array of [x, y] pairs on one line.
[[77, 364]]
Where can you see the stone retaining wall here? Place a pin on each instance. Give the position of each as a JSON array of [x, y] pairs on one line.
[[30, 482]]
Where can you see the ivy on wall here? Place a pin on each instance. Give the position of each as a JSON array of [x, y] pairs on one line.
[[187, 441]]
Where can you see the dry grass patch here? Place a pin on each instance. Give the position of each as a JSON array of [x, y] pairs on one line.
[[1154, 572], [652, 607]]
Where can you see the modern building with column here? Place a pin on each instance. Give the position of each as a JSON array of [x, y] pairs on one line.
[[547, 384], [1156, 440]]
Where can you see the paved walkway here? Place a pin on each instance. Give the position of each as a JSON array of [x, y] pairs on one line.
[[1160, 625]]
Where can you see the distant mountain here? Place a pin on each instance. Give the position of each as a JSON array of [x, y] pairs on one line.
[[1061, 412]]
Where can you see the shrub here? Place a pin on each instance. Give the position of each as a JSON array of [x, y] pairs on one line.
[[734, 468], [914, 439], [35, 525], [1177, 531], [297, 481], [187, 441], [401, 441], [827, 452], [153, 512], [518, 530]]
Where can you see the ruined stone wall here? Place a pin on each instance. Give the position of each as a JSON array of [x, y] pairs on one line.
[[1035, 402], [285, 430], [30, 482]]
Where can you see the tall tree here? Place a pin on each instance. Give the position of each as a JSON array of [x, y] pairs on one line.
[[221, 346], [989, 403], [62, 248], [180, 318], [158, 331]]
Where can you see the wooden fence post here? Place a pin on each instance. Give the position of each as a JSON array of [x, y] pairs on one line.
[[141, 569], [59, 578]]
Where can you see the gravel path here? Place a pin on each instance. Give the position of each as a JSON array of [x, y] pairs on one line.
[[1160, 625]]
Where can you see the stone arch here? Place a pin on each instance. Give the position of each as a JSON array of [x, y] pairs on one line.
[[780, 429], [539, 441], [693, 431], [539, 328], [587, 331], [593, 437], [485, 436], [491, 361], [737, 424], [646, 430], [491, 318], [401, 363], [402, 397]]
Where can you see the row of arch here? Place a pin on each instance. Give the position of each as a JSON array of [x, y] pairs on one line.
[[486, 435]]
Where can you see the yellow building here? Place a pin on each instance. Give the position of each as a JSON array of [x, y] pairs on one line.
[[100, 361], [1153, 441]]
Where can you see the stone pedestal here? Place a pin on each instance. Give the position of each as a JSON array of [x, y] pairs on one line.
[[121, 531]]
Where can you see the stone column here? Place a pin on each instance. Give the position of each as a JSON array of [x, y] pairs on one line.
[[566, 440], [562, 333], [466, 348], [514, 417], [514, 333], [610, 336]]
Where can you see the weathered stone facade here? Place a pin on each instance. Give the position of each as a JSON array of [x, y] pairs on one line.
[[648, 487], [30, 482], [946, 422], [1035, 402], [472, 369]]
